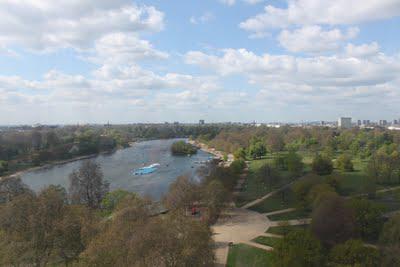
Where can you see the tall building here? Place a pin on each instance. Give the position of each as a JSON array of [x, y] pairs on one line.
[[358, 122], [366, 122], [344, 123], [382, 122], [201, 122]]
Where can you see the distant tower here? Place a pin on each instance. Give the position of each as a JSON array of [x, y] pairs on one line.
[[201, 122], [344, 123]]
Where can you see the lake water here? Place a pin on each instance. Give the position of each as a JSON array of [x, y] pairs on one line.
[[117, 168]]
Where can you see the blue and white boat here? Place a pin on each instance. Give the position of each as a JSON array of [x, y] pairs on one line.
[[146, 170]]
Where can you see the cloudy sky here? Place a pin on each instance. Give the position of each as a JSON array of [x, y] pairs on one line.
[[124, 61]]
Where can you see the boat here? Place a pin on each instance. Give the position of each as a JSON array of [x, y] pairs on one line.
[[147, 169]]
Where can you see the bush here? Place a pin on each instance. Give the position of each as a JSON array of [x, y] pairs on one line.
[[322, 165]]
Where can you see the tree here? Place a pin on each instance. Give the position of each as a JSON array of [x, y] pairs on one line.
[[240, 154], [368, 218], [322, 165], [11, 187], [183, 148], [87, 186], [344, 163], [134, 238], [3, 167], [257, 150], [182, 193], [294, 163], [298, 249], [318, 193], [214, 197], [389, 241], [384, 166], [333, 221], [113, 198], [268, 175], [302, 187], [354, 253]]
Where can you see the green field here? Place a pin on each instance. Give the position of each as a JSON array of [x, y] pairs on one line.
[[267, 240], [241, 255], [292, 215], [279, 201], [282, 230], [254, 188]]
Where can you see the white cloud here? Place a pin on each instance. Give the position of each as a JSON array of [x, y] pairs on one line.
[[327, 12], [47, 25], [306, 80], [253, 2], [313, 39], [228, 2], [119, 48], [206, 17], [364, 50]]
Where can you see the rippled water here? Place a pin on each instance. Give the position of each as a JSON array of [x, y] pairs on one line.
[[117, 168]]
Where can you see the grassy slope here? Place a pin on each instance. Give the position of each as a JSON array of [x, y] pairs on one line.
[[267, 240], [241, 255]]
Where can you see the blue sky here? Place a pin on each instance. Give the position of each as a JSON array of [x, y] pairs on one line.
[[220, 60]]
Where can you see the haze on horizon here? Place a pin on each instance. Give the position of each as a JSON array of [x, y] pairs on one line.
[[129, 61]]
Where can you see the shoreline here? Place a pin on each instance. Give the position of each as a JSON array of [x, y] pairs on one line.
[[218, 154], [55, 163]]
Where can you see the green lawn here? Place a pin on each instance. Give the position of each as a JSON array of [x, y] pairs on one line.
[[297, 214], [282, 230], [279, 201], [241, 255], [390, 200], [254, 188], [267, 240]]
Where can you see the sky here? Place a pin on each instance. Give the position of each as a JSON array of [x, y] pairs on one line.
[[123, 61]]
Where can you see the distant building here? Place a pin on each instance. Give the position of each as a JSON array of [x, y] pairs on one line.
[[366, 122], [382, 122], [344, 123], [395, 122], [359, 123], [201, 122], [176, 122]]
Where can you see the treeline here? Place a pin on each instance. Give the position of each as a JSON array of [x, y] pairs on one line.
[[87, 225], [358, 142]]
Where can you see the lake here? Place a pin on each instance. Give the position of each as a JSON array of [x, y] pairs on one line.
[[118, 166]]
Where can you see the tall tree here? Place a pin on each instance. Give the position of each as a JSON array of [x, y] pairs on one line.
[[87, 185]]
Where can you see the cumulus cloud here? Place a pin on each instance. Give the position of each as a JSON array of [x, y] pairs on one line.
[[228, 2], [325, 12], [364, 50], [49, 25], [313, 39], [206, 17], [285, 78]]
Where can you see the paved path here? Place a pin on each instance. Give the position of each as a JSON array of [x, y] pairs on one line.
[[237, 225], [279, 211]]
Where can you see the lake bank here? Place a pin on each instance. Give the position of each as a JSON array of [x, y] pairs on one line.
[[118, 168], [217, 154]]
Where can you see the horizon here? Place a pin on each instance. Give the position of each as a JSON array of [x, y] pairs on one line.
[[238, 60]]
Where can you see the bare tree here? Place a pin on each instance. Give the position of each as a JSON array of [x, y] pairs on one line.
[[87, 186]]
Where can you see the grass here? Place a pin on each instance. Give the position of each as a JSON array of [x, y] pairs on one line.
[[282, 230], [292, 215], [267, 240], [254, 188], [275, 202], [241, 255], [390, 200]]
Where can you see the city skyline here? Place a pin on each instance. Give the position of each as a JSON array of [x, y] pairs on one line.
[[126, 61]]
